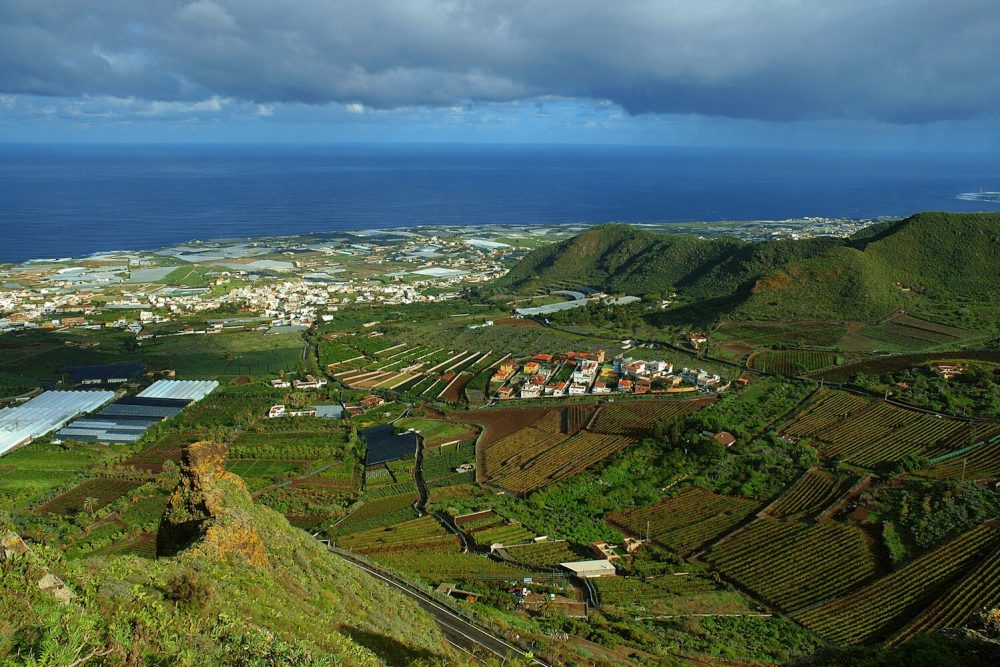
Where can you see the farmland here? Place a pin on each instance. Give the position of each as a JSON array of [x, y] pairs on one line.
[[687, 520], [874, 611], [977, 590], [980, 463], [564, 441], [631, 590], [904, 332], [894, 363], [377, 513], [791, 362], [810, 494], [874, 433], [547, 554], [88, 496], [422, 533], [791, 565]]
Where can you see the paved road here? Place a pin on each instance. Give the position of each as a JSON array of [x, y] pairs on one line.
[[466, 636]]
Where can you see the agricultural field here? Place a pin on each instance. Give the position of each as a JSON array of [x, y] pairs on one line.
[[166, 448], [977, 590], [791, 564], [878, 609], [874, 433], [435, 431], [35, 472], [813, 492], [904, 333], [436, 566], [979, 463], [691, 518], [377, 513], [791, 362], [822, 334], [567, 440], [415, 534], [251, 353], [634, 590], [891, 364], [502, 532], [637, 418], [439, 466], [547, 554], [88, 496]]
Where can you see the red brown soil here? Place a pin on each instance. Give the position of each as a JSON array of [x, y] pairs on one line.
[[457, 388], [517, 323]]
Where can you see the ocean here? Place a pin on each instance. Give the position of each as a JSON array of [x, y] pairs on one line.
[[73, 200]]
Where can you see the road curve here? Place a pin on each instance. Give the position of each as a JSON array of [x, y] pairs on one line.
[[458, 631]]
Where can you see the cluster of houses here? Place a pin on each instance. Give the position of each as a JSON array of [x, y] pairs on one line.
[[582, 373], [308, 383]]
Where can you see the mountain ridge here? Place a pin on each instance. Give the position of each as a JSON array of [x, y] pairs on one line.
[[857, 277]]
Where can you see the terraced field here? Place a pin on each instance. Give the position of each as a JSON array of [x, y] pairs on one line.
[[88, 496], [547, 554], [377, 513], [876, 610], [638, 417], [980, 589], [871, 434], [686, 521], [437, 566], [810, 494], [423, 533], [631, 590], [791, 362], [981, 462], [791, 564], [552, 446]]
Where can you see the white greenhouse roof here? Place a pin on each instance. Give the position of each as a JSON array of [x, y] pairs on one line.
[[579, 566], [192, 390], [45, 413]]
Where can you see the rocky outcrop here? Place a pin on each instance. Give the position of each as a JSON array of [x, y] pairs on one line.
[[13, 547], [208, 511]]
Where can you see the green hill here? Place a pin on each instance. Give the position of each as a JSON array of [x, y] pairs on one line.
[[825, 278], [243, 588]]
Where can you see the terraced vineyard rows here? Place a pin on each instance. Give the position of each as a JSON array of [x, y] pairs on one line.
[[873, 433], [625, 590], [556, 458], [810, 494], [824, 408], [791, 564], [377, 513], [791, 362], [875, 610], [513, 533], [546, 554], [686, 521], [421, 533], [980, 463], [978, 590], [639, 417]]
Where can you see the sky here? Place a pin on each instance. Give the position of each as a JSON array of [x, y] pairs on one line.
[[855, 74]]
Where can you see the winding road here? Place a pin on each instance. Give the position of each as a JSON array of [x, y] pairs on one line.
[[465, 635]]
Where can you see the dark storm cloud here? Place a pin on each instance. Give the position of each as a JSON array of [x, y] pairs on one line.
[[892, 60]]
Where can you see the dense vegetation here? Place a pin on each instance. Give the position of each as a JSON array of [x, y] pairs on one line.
[[933, 254]]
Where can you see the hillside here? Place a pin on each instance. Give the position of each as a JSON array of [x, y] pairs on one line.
[[242, 588], [825, 278]]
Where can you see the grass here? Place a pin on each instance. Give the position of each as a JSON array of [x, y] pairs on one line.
[[434, 431], [228, 353]]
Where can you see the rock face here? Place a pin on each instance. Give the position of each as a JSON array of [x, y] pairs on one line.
[[206, 512]]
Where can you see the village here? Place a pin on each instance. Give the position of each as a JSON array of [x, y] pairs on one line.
[[583, 373]]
